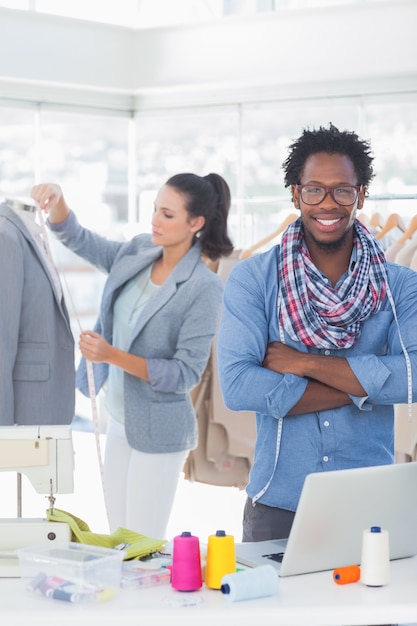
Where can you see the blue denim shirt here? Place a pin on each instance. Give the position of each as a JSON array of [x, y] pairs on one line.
[[360, 434]]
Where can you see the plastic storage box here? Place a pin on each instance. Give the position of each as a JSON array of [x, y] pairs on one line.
[[136, 577], [71, 572]]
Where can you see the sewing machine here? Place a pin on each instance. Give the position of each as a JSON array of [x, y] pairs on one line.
[[44, 454]]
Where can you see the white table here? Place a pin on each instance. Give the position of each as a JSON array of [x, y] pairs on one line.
[[308, 600]]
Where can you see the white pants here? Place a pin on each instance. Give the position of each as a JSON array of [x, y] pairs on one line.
[[139, 488]]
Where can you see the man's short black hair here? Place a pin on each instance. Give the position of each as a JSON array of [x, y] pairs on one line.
[[332, 141]]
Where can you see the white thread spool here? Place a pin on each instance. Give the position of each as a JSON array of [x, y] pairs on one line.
[[258, 582], [375, 564]]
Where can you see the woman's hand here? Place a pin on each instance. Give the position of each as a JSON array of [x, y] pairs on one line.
[[51, 200], [94, 347]]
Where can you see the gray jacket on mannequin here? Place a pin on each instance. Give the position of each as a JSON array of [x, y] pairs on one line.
[[174, 333], [37, 374]]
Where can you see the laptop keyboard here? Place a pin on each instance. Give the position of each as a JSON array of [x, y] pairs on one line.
[[277, 556]]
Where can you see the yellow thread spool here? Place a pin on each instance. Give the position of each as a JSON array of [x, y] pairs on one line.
[[221, 558]]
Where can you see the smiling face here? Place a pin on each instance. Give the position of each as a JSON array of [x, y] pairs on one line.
[[328, 225], [172, 226]]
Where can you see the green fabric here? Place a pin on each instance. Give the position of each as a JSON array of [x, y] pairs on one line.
[[137, 545]]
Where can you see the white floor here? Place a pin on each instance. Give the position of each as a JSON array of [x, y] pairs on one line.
[[199, 508]]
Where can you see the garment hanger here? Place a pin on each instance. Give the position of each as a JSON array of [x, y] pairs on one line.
[[286, 222], [394, 221], [375, 221], [364, 219], [24, 205], [409, 232]]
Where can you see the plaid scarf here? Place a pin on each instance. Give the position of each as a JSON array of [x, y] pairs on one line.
[[315, 313]]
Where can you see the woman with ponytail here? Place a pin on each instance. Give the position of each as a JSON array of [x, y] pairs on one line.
[[152, 339]]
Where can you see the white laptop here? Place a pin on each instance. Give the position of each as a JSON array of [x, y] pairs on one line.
[[334, 509]]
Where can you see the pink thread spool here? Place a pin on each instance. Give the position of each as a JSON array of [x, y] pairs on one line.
[[186, 563]]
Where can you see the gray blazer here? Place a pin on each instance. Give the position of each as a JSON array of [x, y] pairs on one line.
[[174, 333], [37, 374]]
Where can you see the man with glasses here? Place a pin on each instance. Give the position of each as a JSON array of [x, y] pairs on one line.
[[318, 335]]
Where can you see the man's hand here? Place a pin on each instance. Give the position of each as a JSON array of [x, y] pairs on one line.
[[319, 395], [283, 359], [333, 371]]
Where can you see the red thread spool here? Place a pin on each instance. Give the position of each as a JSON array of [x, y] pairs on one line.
[[345, 575]]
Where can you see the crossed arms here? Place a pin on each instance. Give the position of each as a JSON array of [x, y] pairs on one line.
[[330, 378]]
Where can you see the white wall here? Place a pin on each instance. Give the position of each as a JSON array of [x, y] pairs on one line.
[[330, 51], [340, 50], [65, 60]]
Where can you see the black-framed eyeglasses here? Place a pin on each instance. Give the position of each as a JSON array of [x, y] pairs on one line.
[[341, 194]]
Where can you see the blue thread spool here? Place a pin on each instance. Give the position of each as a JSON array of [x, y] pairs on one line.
[[258, 582]]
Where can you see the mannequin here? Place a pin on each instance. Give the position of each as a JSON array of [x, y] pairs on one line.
[[37, 373]]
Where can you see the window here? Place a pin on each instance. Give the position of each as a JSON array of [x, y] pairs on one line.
[[155, 13], [195, 140], [392, 128], [267, 132], [87, 155], [17, 157]]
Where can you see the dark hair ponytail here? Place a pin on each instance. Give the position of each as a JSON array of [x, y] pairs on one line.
[[207, 196]]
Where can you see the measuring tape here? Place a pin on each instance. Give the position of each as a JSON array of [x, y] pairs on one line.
[[406, 356], [90, 371]]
